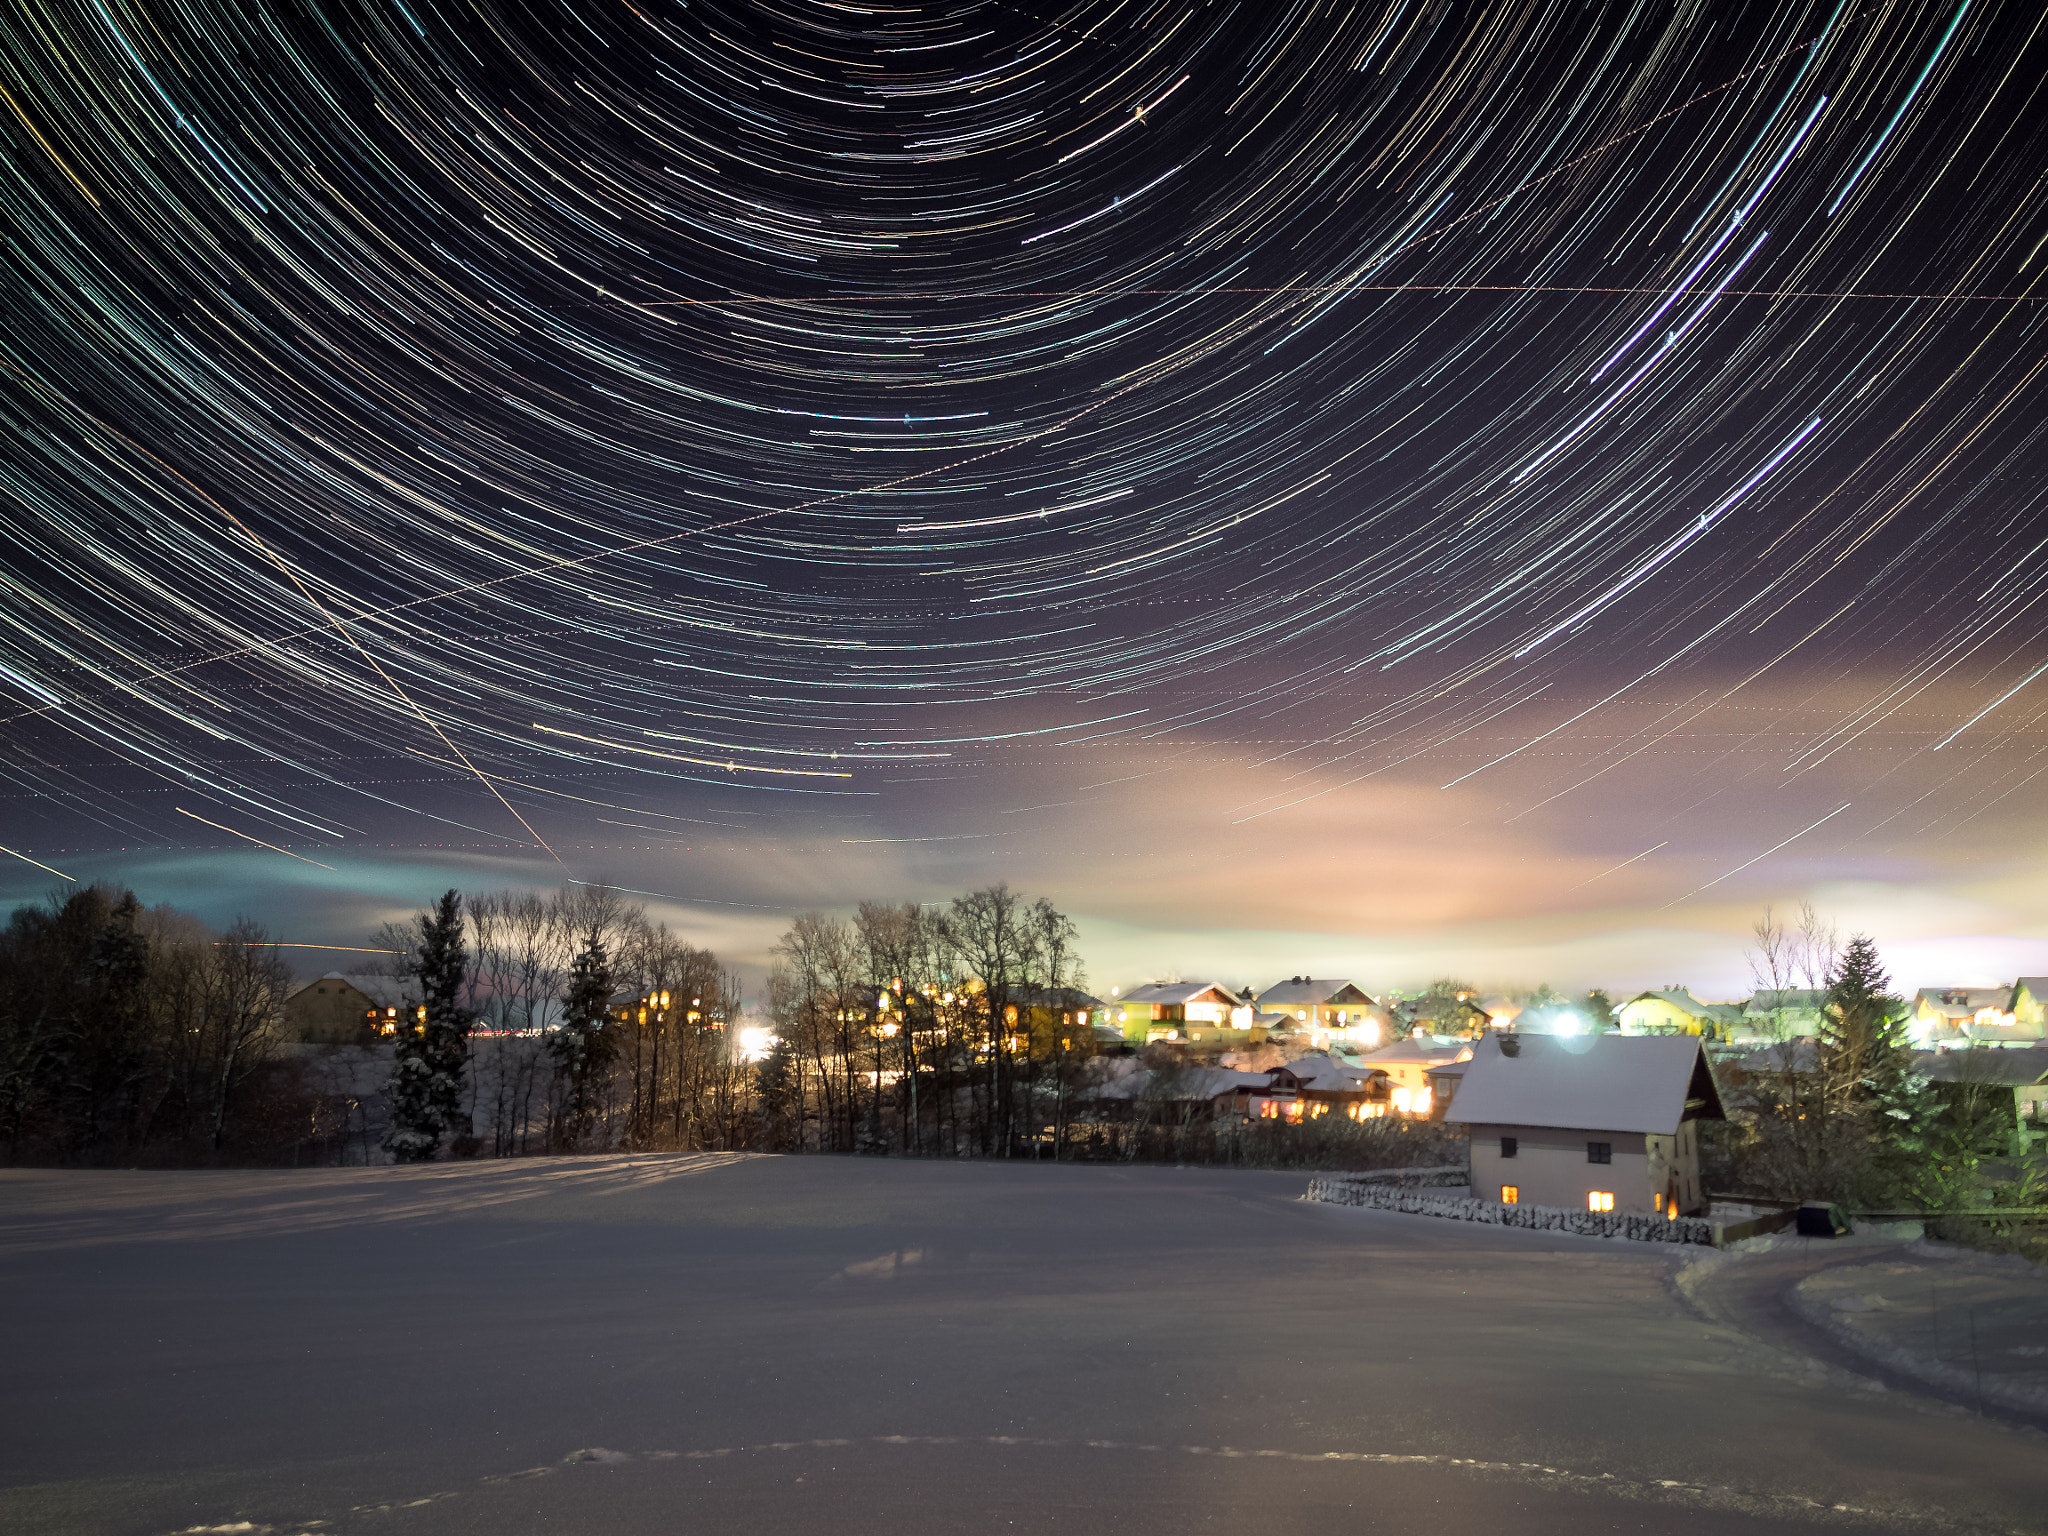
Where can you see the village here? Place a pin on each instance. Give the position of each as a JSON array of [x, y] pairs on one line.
[[1579, 1104]]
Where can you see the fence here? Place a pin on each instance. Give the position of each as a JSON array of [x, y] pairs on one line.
[[1378, 1196]]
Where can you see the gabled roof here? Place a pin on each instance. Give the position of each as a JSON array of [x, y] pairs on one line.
[[1961, 1003], [1639, 1083], [379, 989], [1171, 992], [1326, 1074], [1312, 992], [2037, 987], [2005, 1068], [1770, 1000], [1179, 1084], [1410, 1053], [1682, 999], [1797, 1055]]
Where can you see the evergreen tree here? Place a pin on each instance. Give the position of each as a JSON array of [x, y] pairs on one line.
[[779, 1089], [582, 1048], [432, 1046], [1866, 1067]]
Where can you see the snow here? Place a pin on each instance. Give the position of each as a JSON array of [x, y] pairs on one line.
[[621, 1345]]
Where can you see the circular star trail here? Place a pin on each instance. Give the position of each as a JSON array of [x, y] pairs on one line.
[[502, 417]]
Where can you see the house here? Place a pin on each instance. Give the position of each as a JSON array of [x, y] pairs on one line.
[[2028, 1008], [1781, 1011], [1326, 1009], [2029, 1005], [2011, 1083], [1437, 1014], [1945, 1017], [1599, 1122], [1180, 1091], [1318, 1084], [1444, 1079], [1408, 1064], [340, 1009], [1188, 1012], [1675, 1011]]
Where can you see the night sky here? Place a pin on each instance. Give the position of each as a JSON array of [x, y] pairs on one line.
[[1369, 489]]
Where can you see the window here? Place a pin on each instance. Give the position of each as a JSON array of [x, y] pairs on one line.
[[1511, 1194], [1599, 1200], [1509, 1146], [1599, 1151], [1658, 1202]]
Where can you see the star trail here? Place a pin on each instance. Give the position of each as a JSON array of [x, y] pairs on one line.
[[439, 431]]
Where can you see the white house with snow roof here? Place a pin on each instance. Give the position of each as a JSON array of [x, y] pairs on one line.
[[1321, 1009], [1588, 1122]]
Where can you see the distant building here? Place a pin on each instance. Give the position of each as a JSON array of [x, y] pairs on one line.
[[1185, 1012], [2013, 1084], [1310, 1087], [1326, 1009], [338, 1009], [1942, 1015], [1781, 1011], [2029, 1007], [1675, 1011], [1408, 1065], [1214, 1091], [1598, 1122]]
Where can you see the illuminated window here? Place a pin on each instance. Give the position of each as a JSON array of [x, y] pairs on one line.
[[1657, 1201], [1599, 1151], [1511, 1194], [1599, 1200], [1509, 1146]]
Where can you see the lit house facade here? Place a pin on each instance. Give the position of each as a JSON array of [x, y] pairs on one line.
[[1409, 1065], [1599, 1122], [1320, 1009], [338, 1009], [1190, 1012], [1675, 1011]]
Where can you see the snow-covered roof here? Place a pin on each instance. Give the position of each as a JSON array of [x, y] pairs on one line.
[[1416, 1053], [1682, 999], [1777, 999], [1326, 1074], [1312, 992], [379, 989], [2007, 1068], [1180, 1083], [1960, 1003], [1798, 1055], [1176, 992], [1638, 1083]]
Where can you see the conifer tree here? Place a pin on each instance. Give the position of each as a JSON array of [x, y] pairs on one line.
[[779, 1088], [432, 1046], [1867, 1069], [581, 1047]]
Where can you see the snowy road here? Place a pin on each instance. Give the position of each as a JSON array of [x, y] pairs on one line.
[[792, 1344]]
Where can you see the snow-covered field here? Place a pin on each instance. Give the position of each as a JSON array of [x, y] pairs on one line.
[[709, 1344]]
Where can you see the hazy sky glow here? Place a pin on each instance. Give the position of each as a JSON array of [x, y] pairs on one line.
[[1374, 489]]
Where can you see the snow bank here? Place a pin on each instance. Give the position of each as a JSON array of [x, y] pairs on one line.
[[1353, 1190]]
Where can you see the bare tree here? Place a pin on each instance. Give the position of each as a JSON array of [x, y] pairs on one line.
[[243, 1004]]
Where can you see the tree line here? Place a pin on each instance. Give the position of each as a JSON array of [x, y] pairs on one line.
[[127, 1030], [541, 1022]]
